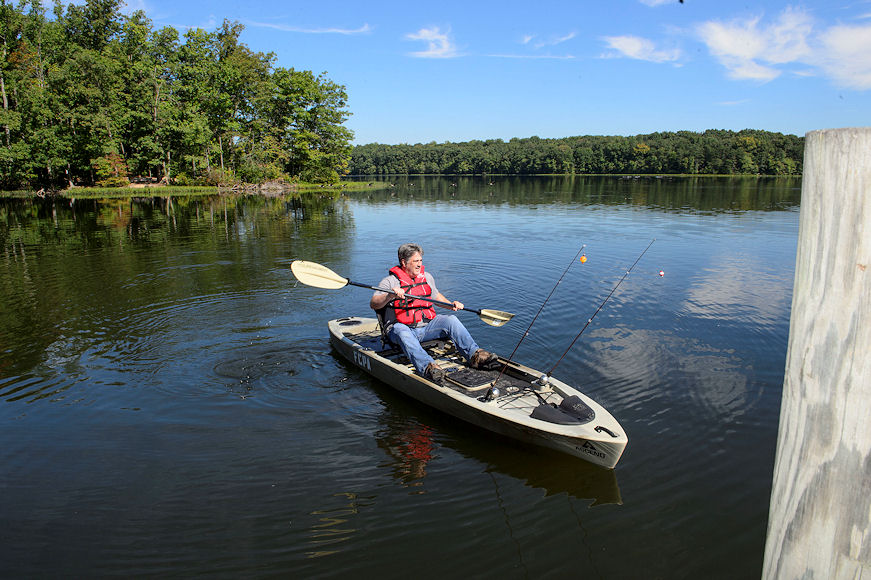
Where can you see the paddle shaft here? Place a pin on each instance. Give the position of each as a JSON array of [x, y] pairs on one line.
[[433, 300], [319, 276]]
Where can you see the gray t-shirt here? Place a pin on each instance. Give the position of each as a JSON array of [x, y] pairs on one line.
[[392, 281]]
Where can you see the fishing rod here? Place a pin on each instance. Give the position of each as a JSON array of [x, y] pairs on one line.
[[550, 372], [534, 318]]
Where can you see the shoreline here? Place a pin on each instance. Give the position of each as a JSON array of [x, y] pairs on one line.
[[352, 184], [162, 190]]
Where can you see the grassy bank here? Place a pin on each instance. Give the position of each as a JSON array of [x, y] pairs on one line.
[[172, 190]]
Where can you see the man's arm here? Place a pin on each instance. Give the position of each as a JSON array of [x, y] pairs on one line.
[[382, 297], [379, 300], [457, 305]]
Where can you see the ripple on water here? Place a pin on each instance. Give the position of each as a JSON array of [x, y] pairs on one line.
[[180, 347], [30, 388]]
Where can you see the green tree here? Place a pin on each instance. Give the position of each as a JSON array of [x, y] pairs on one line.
[[686, 152], [91, 83], [305, 113]]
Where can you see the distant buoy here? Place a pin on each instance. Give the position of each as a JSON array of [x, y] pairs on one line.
[[661, 273]]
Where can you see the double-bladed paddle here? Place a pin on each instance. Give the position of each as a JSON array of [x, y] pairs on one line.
[[319, 276]]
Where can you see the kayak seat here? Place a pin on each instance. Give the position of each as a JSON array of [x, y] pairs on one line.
[[385, 342], [389, 348], [434, 347]]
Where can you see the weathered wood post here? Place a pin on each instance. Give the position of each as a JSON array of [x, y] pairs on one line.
[[820, 514]]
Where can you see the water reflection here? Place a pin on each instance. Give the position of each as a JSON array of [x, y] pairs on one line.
[[696, 194], [542, 469], [60, 257], [411, 444], [334, 525], [410, 448], [98, 222]]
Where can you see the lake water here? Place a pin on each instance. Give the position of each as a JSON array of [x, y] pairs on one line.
[[170, 404]]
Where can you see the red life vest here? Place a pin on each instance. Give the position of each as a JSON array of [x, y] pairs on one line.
[[411, 310]]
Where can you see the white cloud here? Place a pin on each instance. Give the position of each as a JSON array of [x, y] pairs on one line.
[[534, 56], [738, 46], [656, 2], [551, 41], [787, 38], [287, 28], [527, 40], [750, 50], [846, 55], [439, 44], [640, 49]]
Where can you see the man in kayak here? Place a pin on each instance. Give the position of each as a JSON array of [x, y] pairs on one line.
[[407, 321]]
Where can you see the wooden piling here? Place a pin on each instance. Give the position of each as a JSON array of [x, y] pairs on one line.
[[819, 522]]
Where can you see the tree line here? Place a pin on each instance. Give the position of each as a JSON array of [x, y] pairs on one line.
[[718, 152], [91, 95]]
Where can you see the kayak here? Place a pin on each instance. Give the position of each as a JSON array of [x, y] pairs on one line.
[[523, 403]]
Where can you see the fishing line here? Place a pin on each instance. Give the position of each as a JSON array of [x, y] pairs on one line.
[[501, 504], [550, 372], [534, 318]]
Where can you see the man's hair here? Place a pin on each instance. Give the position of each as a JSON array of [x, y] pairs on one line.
[[406, 251]]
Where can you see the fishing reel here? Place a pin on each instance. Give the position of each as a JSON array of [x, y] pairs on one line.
[[542, 381], [493, 392]]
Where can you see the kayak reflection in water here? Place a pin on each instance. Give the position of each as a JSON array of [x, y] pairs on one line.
[[407, 319]]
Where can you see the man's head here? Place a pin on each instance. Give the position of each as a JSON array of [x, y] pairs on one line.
[[410, 258]]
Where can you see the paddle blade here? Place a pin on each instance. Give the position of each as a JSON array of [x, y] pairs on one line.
[[313, 274], [495, 317]]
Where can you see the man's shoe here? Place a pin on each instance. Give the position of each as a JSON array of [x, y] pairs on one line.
[[483, 359], [434, 373]]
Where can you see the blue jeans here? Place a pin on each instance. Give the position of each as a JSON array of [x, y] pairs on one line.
[[442, 326]]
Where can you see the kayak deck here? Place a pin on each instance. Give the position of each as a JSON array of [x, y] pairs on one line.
[[548, 413], [458, 376]]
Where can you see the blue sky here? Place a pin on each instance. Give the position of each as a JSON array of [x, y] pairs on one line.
[[445, 70]]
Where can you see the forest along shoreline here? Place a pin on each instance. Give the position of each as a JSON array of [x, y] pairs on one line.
[[681, 153]]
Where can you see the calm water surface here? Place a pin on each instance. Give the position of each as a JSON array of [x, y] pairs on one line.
[[169, 402]]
